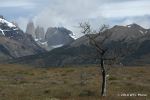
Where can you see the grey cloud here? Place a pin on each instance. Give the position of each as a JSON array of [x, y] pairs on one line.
[[141, 20], [69, 13]]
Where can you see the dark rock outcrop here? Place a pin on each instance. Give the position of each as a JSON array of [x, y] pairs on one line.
[[57, 37]]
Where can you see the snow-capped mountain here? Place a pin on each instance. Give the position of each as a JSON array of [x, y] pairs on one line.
[[130, 39], [54, 37], [6, 27], [14, 42]]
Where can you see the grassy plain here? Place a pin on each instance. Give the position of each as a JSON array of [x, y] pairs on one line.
[[18, 82]]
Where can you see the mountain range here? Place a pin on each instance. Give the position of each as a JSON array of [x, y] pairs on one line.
[[133, 40], [54, 37]]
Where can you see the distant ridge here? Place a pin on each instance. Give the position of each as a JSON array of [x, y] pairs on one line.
[[79, 52]]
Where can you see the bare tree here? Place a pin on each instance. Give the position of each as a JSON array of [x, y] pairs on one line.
[[97, 39]]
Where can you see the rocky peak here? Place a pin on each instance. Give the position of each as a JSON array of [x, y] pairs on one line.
[[56, 36], [30, 29], [39, 33]]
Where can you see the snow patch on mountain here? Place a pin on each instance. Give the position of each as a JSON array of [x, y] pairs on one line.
[[36, 39], [73, 36], [128, 26], [44, 43], [2, 31], [3, 21], [57, 46], [141, 32]]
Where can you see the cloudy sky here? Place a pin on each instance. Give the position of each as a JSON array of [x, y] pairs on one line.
[[69, 13]]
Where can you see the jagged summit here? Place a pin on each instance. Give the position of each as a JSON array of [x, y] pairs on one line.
[[54, 37], [39, 33], [58, 36], [30, 29]]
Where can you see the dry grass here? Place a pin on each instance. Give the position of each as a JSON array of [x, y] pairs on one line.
[[19, 82]]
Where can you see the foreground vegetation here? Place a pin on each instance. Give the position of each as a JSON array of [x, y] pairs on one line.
[[19, 82]]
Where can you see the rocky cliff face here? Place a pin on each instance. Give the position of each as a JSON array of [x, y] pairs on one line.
[[39, 33], [30, 29], [53, 38], [57, 37]]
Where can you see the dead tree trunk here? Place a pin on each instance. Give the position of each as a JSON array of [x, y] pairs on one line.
[[103, 89], [100, 48]]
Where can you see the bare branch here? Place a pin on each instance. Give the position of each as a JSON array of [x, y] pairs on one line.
[[92, 35]]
